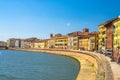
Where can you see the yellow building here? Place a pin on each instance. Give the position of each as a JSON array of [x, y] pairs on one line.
[[60, 41], [93, 41], [116, 24], [102, 37], [29, 42], [85, 42], [41, 44], [75, 42], [116, 39], [109, 37], [51, 43]]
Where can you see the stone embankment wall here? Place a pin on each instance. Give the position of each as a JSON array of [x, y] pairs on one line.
[[103, 68], [93, 66]]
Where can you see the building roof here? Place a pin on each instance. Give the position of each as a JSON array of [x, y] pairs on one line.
[[75, 33], [93, 33], [38, 41], [61, 37], [83, 36], [109, 22], [31, 39], [58, 35], [79, 33], [14, 39]]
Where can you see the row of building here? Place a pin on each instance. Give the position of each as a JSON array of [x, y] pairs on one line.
[[84, 40], [107, 37]]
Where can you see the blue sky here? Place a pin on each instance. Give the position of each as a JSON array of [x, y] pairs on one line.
[[39, 18]]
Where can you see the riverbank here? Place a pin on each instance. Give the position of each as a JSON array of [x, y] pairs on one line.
[[87, 69]]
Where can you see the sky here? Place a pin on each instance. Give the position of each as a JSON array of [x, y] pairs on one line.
[[39, 18]]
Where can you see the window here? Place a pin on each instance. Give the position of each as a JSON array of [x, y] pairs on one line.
[[103, 39], [74, 39], [103, 32], [65, 44], [75, 44]]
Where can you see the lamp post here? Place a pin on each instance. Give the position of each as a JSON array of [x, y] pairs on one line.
[[112, 29]]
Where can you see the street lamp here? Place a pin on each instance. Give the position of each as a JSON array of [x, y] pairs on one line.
[[112, 29]]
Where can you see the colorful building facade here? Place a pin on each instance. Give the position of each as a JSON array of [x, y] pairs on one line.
[[102, 37], [83, 38], [40, 44], [70, 41], [29, 42], [117, 33], [93, 41], [14, 43], [83, 42], [116, 40], [111, 38], [60, 41], [51, 41], [73, 40]]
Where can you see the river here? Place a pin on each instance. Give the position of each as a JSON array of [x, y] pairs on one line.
[[23, 65]]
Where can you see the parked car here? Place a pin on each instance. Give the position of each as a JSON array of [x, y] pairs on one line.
[[81, 48], [103, 51], [96, 50], [107, 52]]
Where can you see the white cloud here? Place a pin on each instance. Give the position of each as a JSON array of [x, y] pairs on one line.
[[68, 24]]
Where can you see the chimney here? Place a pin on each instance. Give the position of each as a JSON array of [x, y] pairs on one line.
[[85, 30], [51, 36]]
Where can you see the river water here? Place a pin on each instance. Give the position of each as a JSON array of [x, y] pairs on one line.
[[23, 65]]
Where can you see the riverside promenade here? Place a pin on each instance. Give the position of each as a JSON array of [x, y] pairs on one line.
[[92, 66], [115, 69]]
